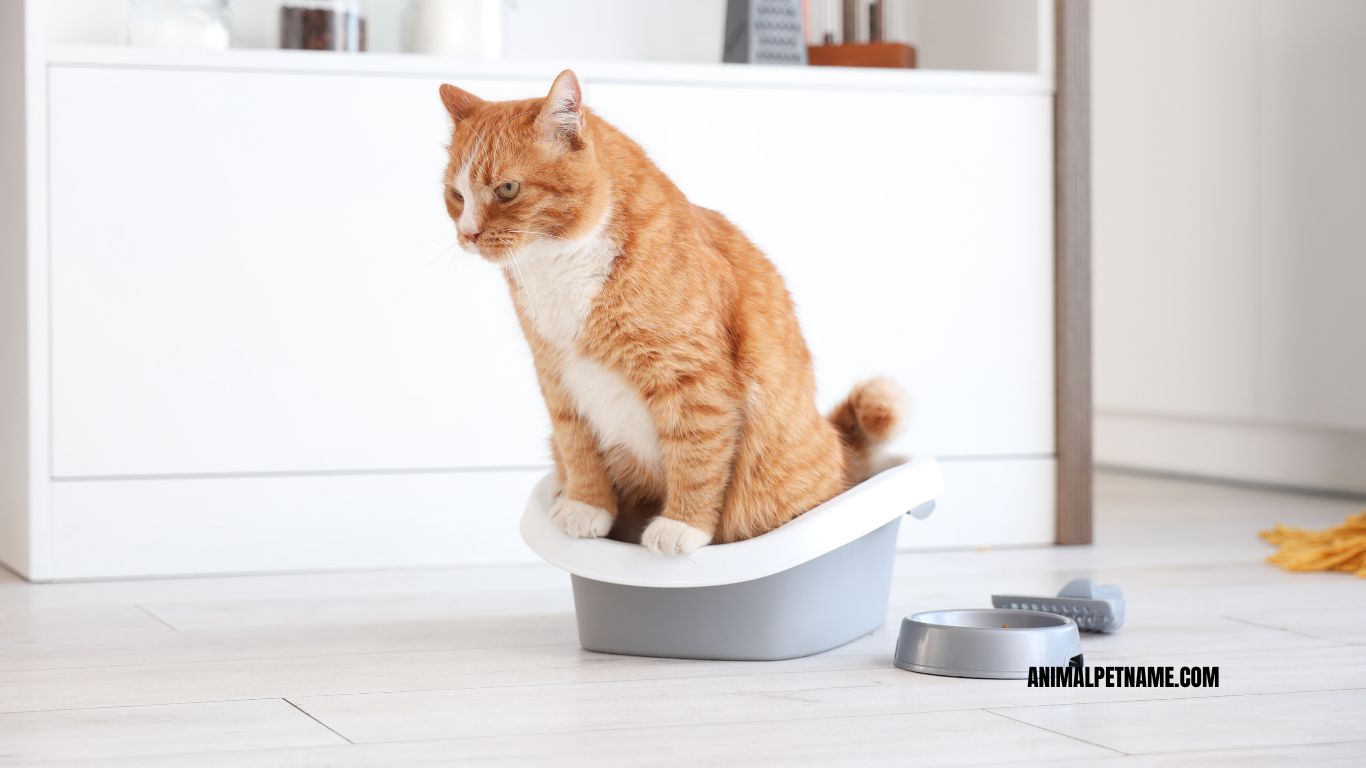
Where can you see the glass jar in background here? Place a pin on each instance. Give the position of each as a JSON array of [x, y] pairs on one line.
[[472, 28], [322, 25], [179, 24]]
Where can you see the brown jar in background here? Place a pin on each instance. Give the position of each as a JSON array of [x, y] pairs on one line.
[[322, 25]]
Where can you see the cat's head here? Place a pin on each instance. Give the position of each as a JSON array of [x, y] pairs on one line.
[[522, 173]]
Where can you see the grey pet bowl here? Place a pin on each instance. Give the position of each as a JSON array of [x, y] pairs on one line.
[[811, 585], [986, 642]]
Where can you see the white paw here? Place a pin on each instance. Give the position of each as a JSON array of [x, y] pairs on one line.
[[578, 519], [670, 537]]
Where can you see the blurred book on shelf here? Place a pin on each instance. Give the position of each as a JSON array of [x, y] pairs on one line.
[[890, 55], [858, 33]]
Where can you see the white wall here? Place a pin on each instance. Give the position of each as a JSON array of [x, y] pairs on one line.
[[978, 34], [1230, 245]]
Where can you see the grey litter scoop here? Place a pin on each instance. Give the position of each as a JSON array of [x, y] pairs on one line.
[[1095, 607]]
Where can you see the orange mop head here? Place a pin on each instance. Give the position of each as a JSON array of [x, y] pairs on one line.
[[1337, 549]]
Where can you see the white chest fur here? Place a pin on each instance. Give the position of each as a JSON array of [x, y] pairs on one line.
[[558, 283], [612, 407]]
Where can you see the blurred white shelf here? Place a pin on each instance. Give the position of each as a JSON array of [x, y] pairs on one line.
[[423, 66]]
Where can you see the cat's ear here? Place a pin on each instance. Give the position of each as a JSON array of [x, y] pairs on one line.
[[459, 102], [561, 117]]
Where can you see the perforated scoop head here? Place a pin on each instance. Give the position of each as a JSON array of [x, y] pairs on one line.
[[1095, 607]]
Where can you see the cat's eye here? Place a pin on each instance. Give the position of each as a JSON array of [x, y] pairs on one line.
[[507, 190], [455, 194]]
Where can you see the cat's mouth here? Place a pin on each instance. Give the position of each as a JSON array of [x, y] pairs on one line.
[[492, 248], [499, 245]]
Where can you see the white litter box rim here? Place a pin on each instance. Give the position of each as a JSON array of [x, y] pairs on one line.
[[845, 518]]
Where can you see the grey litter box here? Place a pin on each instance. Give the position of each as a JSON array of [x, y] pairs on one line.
[[811, 585]]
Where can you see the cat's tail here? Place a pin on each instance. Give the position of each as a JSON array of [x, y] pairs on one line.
[[872, 414]]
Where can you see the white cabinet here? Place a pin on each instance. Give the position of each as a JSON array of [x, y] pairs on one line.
[[263, 351]]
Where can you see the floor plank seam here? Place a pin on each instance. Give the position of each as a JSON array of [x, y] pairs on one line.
[[800, 672], [704, 724], [1182, 698], [1287, 630], [988, 764], [790, 719], [576, 683], [989, 708], [1297, 745], [157, 618], [310, 716], [1180, 752], [272, 658], [137, 706], [649, 726], [1118, 752]]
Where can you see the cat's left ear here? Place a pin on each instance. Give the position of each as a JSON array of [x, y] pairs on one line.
[[561, 117], [459, 102]]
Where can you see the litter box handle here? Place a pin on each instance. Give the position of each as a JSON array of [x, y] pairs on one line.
[[921, 511]]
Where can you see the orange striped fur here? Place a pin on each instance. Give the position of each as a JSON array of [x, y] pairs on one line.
[[666, 345]]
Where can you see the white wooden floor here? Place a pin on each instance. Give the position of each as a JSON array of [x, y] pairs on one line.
[[477, 665]]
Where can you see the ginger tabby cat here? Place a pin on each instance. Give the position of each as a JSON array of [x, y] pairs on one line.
[[667, 348]]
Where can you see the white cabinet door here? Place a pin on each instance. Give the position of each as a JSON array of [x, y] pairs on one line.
[[254, 272], [914, 230]]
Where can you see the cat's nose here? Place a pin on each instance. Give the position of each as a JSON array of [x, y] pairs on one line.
[[473, 234]]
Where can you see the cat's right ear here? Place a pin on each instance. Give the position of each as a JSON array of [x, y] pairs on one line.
[[459, 102], [561, 117]]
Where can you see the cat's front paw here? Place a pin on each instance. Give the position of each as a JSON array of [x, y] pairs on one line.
[[581, 520], [664, 536]]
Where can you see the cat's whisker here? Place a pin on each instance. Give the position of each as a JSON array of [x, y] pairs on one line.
[[457, 267], [534, 232], [410, 282], [422, 245], [521, 274], [498, 132], [459, 122], [474, 155], [528, 306]]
